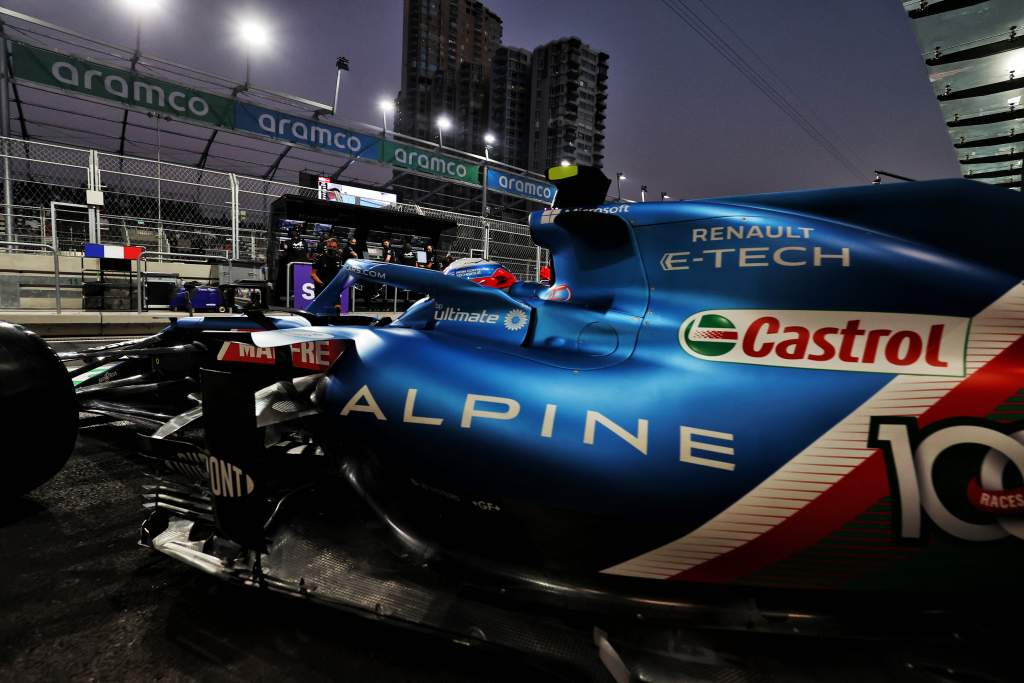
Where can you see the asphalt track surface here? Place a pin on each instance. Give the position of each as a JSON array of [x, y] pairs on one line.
[[81, 600]]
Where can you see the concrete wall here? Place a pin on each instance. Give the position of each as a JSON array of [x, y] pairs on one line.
[[26, 280]]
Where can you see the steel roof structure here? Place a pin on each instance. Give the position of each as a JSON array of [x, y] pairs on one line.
[[974, 50], [42, 114]]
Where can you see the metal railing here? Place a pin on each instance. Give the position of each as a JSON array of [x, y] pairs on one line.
[[187, 211], [183, 213]]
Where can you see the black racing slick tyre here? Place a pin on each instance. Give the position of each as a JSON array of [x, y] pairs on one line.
[[38, 412]]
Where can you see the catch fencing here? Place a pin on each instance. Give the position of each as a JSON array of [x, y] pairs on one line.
[[185, 210]]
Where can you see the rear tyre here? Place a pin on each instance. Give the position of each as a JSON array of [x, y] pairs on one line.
[[38, 411]]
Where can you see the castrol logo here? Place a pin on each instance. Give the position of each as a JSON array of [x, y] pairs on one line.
[[896, 343]]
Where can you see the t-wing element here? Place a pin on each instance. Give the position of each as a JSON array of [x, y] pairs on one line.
[[579, 186]]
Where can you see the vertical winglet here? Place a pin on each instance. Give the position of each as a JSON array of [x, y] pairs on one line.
[[236, 461]]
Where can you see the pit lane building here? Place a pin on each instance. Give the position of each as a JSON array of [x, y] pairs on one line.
[[974, 50]]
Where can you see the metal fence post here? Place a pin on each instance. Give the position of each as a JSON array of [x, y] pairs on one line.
[[138, 282], [56, 277], [93, 183], [5, 131], [487, 241], [233, 183], [483, 195], [538, 263], [90, 184], [159, 178]]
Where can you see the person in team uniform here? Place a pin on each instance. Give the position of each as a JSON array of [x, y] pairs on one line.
[[432, 261], [327, 265], [388, 255], [352, 250]]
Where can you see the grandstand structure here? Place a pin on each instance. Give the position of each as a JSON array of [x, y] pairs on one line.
[[102, 142]]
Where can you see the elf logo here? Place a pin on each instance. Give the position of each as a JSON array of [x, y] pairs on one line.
[[898, 343]]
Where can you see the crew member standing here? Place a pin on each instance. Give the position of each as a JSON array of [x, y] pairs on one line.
[[352, 250], [388, 255], [326, 265]]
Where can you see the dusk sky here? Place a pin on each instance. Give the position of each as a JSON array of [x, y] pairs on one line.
[[681, 119]]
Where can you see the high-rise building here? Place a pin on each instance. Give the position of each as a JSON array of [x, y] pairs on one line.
[[449, 46], [542, 106], [568, 103], [510, 105]]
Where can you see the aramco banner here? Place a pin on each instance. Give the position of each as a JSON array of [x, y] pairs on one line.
[[117, 85], [254, 119], [140, 91], [520, 186], [422, 161]]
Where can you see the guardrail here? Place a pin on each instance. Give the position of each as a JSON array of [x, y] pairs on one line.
[[56, 264]]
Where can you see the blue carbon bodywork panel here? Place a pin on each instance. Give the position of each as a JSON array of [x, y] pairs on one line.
[[682, 355], [636, 272]]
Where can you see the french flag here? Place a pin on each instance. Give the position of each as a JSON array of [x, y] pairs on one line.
[[112, 251]]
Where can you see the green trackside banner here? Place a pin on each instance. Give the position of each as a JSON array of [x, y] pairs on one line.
[[421, 161], [117, 85]]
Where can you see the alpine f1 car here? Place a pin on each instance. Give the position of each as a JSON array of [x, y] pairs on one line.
[[715, 403]]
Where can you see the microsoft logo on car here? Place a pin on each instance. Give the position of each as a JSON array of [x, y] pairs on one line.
[[710, 335]]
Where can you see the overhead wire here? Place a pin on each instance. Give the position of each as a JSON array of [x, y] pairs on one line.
[[811, 114], [722, 47]]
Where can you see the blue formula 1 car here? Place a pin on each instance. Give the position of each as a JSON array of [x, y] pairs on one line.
[[715, 403]]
